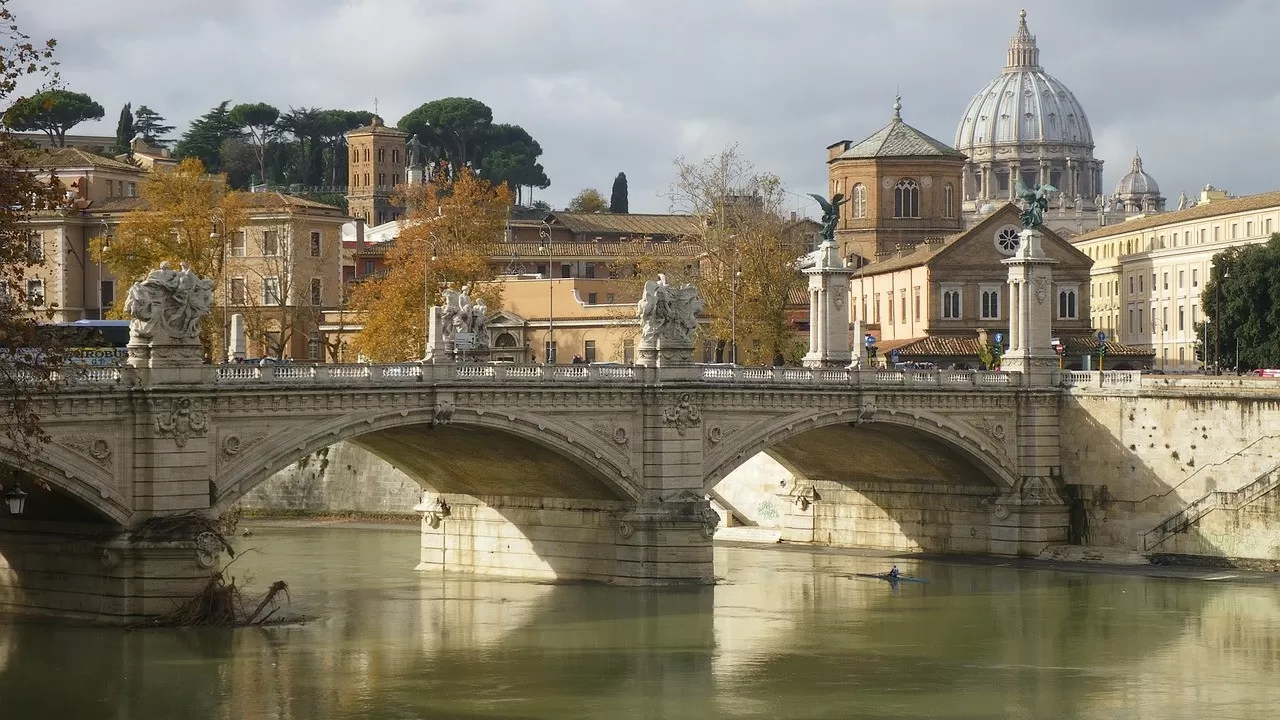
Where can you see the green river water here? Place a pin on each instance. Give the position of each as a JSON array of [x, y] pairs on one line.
[[784, 635]]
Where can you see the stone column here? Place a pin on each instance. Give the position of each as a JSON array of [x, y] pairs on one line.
[[1031, 278], [984, 192], [1069, 180], [829, 313]]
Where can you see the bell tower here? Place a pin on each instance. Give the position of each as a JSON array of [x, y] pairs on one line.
[[377, 164]]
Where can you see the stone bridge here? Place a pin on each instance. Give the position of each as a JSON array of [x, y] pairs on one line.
[[582, 472]]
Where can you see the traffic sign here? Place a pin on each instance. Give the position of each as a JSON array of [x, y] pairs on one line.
[[1102, 337], [999, 338]]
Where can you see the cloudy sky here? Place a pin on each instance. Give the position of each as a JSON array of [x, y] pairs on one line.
[[609, 85]]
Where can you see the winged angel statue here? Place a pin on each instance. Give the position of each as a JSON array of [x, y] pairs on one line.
[[1037, 200], [668, 314]]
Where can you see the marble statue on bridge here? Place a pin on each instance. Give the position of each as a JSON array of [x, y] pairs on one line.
[[465, 319], [169, 304], [669, 313]]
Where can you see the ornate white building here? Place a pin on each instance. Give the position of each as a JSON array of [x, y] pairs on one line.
[[1027, 125], [1138, 191]]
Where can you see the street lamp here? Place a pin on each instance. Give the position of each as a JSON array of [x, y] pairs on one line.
[[544, 233], [215, 220], [733, 305], [426, 295], [16, 499], [106, 243], [1217, 322]]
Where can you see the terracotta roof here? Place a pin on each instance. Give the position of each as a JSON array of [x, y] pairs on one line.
[[377, 128], [950, 346], [898, 139], [117, 204], [278, 199], [936, 345], [1199, 212], [626, 224], [69, 158], [532, 251]]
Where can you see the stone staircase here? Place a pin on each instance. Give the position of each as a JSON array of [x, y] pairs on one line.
[[749, 534], [1081, 553], [1181, 520]]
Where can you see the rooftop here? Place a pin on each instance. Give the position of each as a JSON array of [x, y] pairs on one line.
[[1198, 212], [71, 158], [898, 139], [625, 224]]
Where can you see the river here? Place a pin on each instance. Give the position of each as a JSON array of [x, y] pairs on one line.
[[784, 635]]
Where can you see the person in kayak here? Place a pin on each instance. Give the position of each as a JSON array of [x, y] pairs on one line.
[[894, 573]]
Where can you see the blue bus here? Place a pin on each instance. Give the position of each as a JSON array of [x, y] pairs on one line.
[[91, 342]]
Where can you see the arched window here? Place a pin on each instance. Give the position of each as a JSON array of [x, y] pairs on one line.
[[991, 304], [505, 340], [951, 304], [906, 199], [1067, 304], [948, 201], [860, 200]]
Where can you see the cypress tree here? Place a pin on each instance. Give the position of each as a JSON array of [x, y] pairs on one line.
[[124, 130], [618, 198]]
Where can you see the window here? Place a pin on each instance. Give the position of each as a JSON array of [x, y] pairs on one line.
[[1182, 277], [903, 304], [107, 293], [1141, 315], [549, 351], [366, 181], [1234, 228], [1140, 286], [368, 267], [1166, 281], [35, 293], [355, 155], [591, 270], [35, 247], [917, 305], [395, 156], [133, 189], [991, 303], [270, 242], [1201, 236], [1182, 319], [906, 199], [270, 291], [1248, 229], [859, 200], [591, 298], [395, 178], [948, 201], [317, 297], [1130, 321], [951, 307], [1195, 277], [1066, 304], [1217, 232], [628, 351], [1266, 227], [382, 179], [382, 154], [888, 301], [315, 243], [237, 291], [1130, 284], [589, 351], [314, 346], [565, 270], [382, 216], [237, 244], [366, 159], [876, 299]]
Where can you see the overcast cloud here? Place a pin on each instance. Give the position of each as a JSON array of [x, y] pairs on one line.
[[609, 85]]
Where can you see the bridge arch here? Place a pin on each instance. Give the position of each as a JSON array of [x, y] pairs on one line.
[[573, 462], [985, 454], [73, 476]]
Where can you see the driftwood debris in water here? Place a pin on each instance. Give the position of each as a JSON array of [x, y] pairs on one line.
[[221, 604]]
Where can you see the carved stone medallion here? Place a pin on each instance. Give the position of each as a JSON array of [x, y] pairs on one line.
[[183, 421], [683, 414]]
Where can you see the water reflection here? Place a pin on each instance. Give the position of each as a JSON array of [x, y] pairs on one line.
[[787, 634]]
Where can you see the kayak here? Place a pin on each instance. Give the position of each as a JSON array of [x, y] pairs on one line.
[[890, 578]]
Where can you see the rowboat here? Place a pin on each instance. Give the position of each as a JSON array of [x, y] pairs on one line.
[[890, 578]]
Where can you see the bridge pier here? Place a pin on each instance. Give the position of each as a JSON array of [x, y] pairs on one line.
[[93, 573], [609, 541]]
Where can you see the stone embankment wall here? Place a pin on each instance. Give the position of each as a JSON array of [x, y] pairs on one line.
[[341, 478], [1181, 466]]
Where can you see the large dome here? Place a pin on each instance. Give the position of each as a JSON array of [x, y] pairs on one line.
[[1025, 125], [1023, 105]]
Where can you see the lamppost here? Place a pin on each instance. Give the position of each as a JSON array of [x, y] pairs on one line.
[[106, 243], [1217, 322], [544, 233], [16, 499], [426, 294], [733, 305], [216, 219]]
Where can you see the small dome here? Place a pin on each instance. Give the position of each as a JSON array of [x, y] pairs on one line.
[[1137, 182]]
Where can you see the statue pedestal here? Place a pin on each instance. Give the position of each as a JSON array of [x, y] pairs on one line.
[[666, 355], [156, 362]]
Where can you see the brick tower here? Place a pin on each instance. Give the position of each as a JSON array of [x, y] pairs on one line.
[[377, 166]]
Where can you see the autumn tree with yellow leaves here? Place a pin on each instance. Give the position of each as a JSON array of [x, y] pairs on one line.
[[185, 218], [446, 240]]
